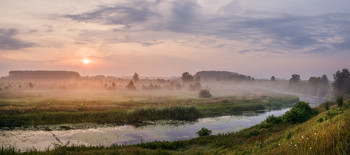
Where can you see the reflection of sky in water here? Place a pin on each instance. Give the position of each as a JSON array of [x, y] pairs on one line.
[[126, 134]]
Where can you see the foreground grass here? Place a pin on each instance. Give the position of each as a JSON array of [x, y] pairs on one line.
[[326, 133], [17, 113]]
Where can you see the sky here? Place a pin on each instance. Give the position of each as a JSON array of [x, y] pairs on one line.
[[169, 37]]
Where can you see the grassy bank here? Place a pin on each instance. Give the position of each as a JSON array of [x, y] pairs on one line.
[[324, 133], [14, 113]]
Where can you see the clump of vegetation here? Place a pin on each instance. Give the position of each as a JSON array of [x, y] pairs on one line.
[[273, 119], [301, 112], [340, 101], [163, 145], [204, 93], [203, 132]]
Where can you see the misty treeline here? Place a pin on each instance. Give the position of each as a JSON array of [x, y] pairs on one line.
[[203, 80], [321, 86]]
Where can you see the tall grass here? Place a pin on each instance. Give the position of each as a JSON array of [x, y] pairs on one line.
[[118, 117], [137, 113]]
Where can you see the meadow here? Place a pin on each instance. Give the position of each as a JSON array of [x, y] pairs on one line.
[[325, 132], [40, 108]]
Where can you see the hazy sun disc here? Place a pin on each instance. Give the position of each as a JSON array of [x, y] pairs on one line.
[[86, 61]]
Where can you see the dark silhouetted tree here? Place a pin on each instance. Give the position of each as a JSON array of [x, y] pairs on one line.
[[131, 86], [135, 78], [187, 77], [295, 79], [31, 85], [114, 85], [273, 78], [342, 81]]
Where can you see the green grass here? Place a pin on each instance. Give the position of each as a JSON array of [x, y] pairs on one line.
[[16, 112], [330, 136]]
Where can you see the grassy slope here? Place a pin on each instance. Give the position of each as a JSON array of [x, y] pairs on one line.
[[18, 112], [330, 136]]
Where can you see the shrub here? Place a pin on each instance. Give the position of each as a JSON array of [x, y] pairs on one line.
[[273, 119], [320, 120], [334, 112], [340, 101], [301, 112], [204, 93], [203, 132]]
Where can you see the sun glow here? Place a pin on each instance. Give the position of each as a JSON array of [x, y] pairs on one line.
[[86, 61]]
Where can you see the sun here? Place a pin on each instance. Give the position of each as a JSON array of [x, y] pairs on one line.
[[86, 61]]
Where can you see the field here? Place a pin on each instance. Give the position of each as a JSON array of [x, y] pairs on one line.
[[42, 107]]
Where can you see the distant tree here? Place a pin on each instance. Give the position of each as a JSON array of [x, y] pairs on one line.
[[324, 80], [342, 81], [319, 85], [187, 77], [135, 78], [273, 78], [295, 79], [204, 93], [131, 86], [113, 85], [31, 85]]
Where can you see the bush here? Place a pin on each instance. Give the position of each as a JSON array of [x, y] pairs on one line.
[[301, 112], [204, 93], [203, 132], [340, 101], [334, 112], [273, 119]]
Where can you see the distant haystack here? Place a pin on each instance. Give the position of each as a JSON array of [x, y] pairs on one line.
[[57, 75]]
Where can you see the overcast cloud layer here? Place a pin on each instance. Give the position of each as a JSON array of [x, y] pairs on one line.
[[164, 38]]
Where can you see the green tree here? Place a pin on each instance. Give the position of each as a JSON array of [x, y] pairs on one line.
[[301, 112]]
